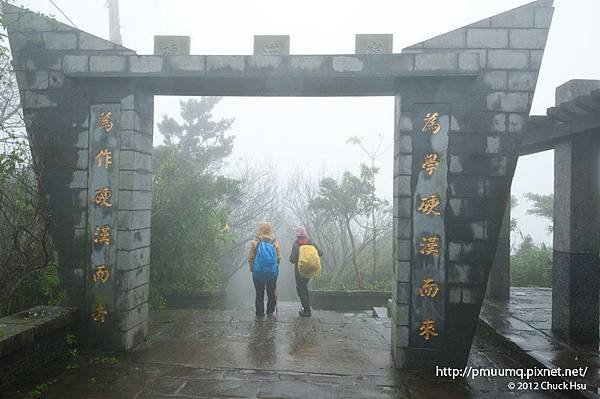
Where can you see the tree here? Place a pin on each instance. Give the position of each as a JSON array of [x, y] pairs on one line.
[[188, 226], [300, 192], [199, 137], [373, 153], [191, 203], [543, 206], [11, 118], [331, 233], [26, 254], [260, 202], [514, 202], [345, 201], [531, 264]]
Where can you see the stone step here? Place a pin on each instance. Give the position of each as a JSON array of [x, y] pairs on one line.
[[380, 312]]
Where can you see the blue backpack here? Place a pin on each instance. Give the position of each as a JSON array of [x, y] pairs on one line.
[[265, 266]]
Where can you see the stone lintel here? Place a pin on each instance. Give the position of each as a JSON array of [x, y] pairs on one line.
[[276, 75]]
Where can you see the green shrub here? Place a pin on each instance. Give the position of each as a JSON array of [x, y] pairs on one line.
[[188, 219], [42, 287], [531, 265]]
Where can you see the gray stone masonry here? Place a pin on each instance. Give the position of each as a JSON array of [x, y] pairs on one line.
[[482, 77], [575, 88], [498, 287], [270, 74], [374, 44], [576, 266], [31, 339], [486, 121], [271, 45], [172, 45]]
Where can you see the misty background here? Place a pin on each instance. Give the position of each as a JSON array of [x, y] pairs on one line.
[[287, 134]]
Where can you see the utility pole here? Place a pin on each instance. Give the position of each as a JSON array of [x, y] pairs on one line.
[[114, 21]]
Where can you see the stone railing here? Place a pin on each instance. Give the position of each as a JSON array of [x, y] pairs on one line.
[[32, 338]]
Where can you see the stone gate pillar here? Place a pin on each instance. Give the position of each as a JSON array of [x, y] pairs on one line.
[[92, 145], [119, 215], [576, 224], [499, 281], [455, 155]]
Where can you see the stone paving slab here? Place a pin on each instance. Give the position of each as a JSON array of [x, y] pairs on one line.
[[198, 353], [525, 322]]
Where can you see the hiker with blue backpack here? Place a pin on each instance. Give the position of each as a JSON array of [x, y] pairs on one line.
[[306, 257], [264, 259]]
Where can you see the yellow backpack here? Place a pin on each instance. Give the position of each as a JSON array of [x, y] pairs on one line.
[[309, 261]]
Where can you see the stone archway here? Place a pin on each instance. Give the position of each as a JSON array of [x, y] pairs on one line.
[[461, 100]]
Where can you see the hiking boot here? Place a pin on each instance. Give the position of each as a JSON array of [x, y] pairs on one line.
[[304, 312]]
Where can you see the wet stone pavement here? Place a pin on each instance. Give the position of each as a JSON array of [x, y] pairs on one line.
[[525, 322], [196, 353]]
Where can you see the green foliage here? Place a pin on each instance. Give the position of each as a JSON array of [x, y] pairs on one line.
[[27, 277], [72, 346], [190, 203], [41, 389], [348, 198], [188, 222], [71, 340], [106, 359], [531, 265], [344, 280], [40, 287], [543, 206], [514, 202], [348, 203], [199, 138]]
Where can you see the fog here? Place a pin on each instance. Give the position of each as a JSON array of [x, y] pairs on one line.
[[311, 133]]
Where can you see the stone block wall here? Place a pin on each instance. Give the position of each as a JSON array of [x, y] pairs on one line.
[[33, 338], [58, 120], [486, 118]]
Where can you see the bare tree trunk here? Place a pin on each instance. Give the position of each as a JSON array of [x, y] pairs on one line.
[[373, 218], [354, 260]]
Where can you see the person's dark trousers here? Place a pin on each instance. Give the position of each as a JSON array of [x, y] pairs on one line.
[[260, 296], [302, 289]]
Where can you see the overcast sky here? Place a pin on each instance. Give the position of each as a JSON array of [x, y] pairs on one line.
[[311, 133]]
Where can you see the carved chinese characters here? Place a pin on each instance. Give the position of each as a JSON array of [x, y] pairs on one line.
[[430, 142], [102, 212], [105, 121]]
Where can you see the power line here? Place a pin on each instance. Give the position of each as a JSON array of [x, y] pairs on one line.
[[64, 15]]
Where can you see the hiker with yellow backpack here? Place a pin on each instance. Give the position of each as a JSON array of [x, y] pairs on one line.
[[306, 257]]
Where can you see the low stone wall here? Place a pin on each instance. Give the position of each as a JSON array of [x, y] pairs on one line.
[[348, 300], [201, 300], [32, 338]]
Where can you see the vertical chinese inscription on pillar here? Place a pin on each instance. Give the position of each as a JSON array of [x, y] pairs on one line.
[[430, 181], [102, 209]]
